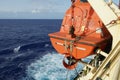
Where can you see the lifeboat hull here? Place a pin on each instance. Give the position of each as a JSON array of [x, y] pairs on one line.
[[80, 49], [82, 32]]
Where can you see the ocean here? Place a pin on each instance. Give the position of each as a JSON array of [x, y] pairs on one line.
[[26, 52]]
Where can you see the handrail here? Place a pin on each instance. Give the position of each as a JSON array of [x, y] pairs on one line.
[[112, 55]]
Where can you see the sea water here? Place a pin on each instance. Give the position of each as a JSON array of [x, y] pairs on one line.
[[26, 52]]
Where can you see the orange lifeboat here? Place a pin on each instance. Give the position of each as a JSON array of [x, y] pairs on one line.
[[81, 33]]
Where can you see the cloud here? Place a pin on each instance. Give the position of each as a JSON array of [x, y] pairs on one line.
[[40, 10], [35, 11], [50, 6], [33, 8]]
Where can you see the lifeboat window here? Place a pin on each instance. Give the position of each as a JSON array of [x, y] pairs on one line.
[[83, 0]]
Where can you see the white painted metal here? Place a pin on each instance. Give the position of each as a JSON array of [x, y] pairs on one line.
[[99, 51], [107, 73], [103, 10], [108, 13], [113, 58]]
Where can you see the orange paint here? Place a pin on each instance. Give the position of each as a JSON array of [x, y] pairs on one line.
[[88, 28]]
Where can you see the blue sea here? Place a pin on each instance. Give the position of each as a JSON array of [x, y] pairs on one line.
[[26, 52]]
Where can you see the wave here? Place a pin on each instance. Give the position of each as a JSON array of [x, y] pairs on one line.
[[26, 53], [40, 45], [49, 67], [35, 61], [37, 45], [13, 65], [17, 49]]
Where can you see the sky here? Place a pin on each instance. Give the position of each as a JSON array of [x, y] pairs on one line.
[[33, 9]]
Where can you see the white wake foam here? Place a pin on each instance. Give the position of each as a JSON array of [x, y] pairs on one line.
[[49, 67], [16, 49]]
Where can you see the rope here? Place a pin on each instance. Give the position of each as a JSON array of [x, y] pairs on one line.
[[111, 22], [67, 75], [77, 39], [76, 71], [71, 32]]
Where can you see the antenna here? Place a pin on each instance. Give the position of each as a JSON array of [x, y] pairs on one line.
[[119, 4]]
